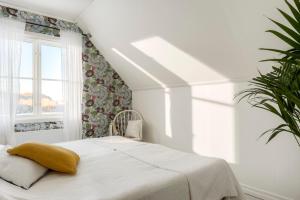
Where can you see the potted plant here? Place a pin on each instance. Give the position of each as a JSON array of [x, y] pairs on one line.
[[279, 90]]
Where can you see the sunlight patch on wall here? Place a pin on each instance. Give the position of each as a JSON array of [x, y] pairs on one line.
[[140, 68], [175, 60], [214, 121], [168, 129], [168, 123]]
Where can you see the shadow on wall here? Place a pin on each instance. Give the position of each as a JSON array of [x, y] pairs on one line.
[[179, 46], [162, 107], [184, 42], [185, 116], [209, 33], [205, 119]]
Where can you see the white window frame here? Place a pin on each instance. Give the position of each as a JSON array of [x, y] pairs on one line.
[[37, 115]]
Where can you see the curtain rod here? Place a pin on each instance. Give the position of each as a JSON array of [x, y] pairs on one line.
[[86, 35]]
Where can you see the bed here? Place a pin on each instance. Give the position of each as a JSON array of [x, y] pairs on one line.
[[116, 168]]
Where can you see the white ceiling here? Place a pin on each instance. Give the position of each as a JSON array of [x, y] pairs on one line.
[[171, 42], [167, 43], [63, 9]]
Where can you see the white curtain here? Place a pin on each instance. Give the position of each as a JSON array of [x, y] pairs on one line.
[[72, 85], [11, 37]]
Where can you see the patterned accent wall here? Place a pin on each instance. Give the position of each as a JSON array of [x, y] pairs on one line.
[[104, 92], [25, 16]]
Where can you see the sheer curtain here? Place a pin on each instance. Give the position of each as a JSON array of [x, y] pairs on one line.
[[11, 36], [72, 85]]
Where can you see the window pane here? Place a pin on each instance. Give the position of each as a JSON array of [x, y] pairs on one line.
[[25, 105], [52, 100], [51, 62], [26, 60]]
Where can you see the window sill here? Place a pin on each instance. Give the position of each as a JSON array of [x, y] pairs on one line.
[[33, 119]]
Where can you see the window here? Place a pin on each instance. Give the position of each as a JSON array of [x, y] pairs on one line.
[[51, 79], [40, 80], [25, 105]]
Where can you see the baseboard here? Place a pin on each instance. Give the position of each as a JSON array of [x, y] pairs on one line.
[[262, 194]]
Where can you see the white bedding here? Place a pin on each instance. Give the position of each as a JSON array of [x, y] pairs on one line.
[[115, 168]]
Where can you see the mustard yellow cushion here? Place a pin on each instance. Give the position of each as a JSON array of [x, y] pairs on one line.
[[50, 156]]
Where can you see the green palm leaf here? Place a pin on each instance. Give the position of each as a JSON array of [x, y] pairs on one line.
[[285, 38], [289, 31], [294, 23], [297, 3], [287, 53], [294, 11]]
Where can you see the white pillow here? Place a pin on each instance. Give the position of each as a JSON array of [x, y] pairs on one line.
[[133, 128], [19, 171]]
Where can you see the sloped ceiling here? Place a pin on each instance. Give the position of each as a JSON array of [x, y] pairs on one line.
[[164, 43], [161, 43]]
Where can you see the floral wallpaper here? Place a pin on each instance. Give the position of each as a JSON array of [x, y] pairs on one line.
[[38, 19], [42, 29], [104, 92], [37, 126]]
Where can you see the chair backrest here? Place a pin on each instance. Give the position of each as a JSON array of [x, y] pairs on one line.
[[120, 122]]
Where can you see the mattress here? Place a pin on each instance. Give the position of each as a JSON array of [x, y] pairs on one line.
[[116, 168]]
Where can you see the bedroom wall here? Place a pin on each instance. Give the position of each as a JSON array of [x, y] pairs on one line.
[[206, 120], [184, 61]]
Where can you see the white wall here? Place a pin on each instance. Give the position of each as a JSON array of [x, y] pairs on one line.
[[204, 119], [45, 136], [207, 44]]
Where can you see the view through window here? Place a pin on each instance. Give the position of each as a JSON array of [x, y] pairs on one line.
[[40, 79]]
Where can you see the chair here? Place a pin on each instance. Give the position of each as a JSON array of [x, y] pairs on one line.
[[120, 122]]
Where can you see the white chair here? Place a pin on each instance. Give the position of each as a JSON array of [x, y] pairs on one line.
[[120, 123]]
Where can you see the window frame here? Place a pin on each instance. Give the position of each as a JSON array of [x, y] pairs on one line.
[[37, 40]]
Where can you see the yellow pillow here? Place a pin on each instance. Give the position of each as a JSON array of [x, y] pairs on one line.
[[50, 156]]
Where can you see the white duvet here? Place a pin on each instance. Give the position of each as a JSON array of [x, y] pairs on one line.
[[115, 168]]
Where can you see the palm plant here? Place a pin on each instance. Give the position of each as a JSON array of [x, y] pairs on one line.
[[279, 90]]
